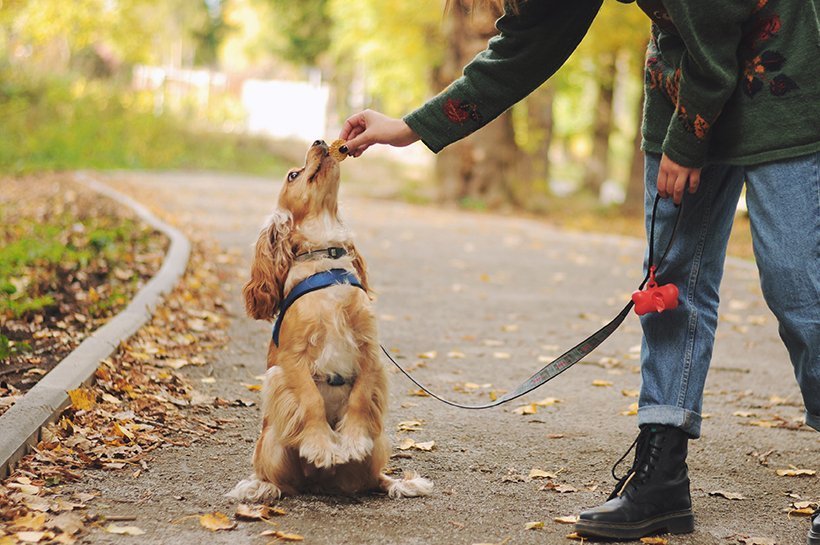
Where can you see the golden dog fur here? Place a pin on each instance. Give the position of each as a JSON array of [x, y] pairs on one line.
[[317, 437]]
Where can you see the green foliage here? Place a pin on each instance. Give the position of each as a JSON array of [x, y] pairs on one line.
[[67, 124], [303, 28], [398, 46]]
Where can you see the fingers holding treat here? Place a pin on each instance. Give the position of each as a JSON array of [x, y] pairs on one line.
[[338, 150]]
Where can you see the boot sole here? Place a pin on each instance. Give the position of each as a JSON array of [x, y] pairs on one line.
[[814, 538], [680, 522]]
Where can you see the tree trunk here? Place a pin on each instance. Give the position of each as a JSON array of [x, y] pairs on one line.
[[534, 168], [479, 170], [598, 164], [633, 203]]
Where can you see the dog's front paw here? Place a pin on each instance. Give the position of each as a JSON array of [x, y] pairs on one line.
[[318, 449], [354, 445]]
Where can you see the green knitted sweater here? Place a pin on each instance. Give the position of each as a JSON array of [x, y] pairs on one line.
[[731, 81]]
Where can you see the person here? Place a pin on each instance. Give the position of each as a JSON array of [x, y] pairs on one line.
[[732, 97]]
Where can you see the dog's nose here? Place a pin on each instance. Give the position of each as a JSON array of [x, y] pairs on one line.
[[319, 143]]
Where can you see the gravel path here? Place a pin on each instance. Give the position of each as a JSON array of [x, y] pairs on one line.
[[502, 292]]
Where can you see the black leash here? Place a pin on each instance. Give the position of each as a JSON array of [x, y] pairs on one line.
[[574, 354]]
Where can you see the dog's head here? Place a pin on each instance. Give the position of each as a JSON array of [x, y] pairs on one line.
[[309, 195]]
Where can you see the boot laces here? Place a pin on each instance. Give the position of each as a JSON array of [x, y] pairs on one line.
[[645, 458]]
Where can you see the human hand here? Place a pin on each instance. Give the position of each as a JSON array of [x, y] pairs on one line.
[[366, 128], [673, 178]]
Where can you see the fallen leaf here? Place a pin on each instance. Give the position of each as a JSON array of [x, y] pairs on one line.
[[632, 410], [82, 399], [409, 425], [455, 354], [654, 540], [282, 535], [30, 537], [630, 393], [547, 401], [571, 519], [419, 393], [727, 495], [30, 521], [576, 537], [746, 540], [253, 387], [252, 512], [501, 355], [124, 530], [532, 408], [406, 444], [431, 355], [535, 525], [536, 473], [426, 446], [216, 521], [801, 512], [601, 383], [795, 472]]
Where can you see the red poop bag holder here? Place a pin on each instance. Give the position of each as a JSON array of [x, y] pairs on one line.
[[655, 298]]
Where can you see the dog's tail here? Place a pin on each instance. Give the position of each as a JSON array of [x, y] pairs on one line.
[[254, 489], [410, 485]]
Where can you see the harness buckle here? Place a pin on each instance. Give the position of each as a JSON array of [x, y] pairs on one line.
[[336, 253]]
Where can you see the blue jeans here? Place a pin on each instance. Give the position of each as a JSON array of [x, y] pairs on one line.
[[783, 198]]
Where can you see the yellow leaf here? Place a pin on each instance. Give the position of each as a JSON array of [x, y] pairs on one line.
[[501, 355], [122, 431], [654, 540], [631, 411], [572, 519], [532, 408], [601, 383], [535, 525], [124, 530], [431, 355], [216, 521], [82, 399], [536, 473], [630, 393], [576, 537], [795, 472], [406, 444], [30, 521], [547, 401], [253, 387], [803, 512], [419, 393]]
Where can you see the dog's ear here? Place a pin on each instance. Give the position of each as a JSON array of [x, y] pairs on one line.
[[272, 259], [361, 268]]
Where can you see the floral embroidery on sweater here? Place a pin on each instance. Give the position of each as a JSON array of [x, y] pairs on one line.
[[697, 126], [459, 112], [759, 61]]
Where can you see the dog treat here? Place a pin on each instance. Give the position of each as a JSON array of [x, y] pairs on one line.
[[338, 150]]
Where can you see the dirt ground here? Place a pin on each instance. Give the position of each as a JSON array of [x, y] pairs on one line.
[[489, 295]]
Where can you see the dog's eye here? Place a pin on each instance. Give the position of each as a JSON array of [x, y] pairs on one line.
[[292, 175]]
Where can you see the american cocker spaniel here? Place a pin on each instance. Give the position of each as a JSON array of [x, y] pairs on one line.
[[325, 389]]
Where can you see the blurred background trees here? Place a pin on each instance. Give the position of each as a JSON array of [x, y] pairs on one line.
[[76, 89]]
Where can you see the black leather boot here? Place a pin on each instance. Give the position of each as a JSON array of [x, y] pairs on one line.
[[814, 531], [652, 497]]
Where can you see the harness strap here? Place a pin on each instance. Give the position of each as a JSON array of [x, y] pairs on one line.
[[574, 354], [314, 282]]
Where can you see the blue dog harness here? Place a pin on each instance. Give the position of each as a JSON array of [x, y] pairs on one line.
[[314, 282]]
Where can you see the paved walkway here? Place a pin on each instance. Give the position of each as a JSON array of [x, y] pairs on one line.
[[502, 292]]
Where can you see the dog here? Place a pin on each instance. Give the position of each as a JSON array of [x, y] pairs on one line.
[[325, 389]]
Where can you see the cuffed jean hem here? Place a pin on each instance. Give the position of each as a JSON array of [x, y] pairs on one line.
[[813, 420], [668, 415]]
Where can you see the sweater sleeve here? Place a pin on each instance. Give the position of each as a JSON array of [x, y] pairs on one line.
[[531, 45], [709, 72]]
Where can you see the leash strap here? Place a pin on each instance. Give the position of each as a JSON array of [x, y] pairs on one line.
[[574, 354], [312, 283]]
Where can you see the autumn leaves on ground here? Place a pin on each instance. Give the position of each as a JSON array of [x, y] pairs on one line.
[[146, 452]]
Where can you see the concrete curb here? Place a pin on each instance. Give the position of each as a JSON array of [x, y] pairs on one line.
[[22, 423]]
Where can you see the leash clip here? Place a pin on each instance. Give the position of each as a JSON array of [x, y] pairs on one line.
[[655, 298]]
